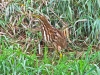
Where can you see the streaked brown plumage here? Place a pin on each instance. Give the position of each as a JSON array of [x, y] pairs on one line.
[[52, 35]]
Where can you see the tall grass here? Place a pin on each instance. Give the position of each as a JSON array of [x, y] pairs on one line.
[[18, 36], [70, 11]]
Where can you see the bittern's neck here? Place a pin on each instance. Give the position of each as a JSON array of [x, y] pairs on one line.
[[45, 22]]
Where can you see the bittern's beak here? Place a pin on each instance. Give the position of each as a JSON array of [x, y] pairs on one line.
[[36, 16]]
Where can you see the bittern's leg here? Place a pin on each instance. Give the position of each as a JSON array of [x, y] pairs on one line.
[[60, 55], [59, 51], [57, 54]]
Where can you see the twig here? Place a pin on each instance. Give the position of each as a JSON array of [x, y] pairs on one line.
[[66, 25], [82, 20]]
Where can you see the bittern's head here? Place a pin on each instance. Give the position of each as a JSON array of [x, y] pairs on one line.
[[41, 17]]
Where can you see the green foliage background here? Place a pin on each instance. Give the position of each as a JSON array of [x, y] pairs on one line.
[[13, 54]]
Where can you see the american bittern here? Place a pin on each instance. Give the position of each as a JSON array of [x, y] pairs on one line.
[[52, 35]]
